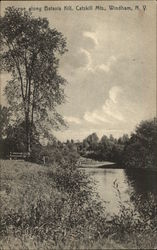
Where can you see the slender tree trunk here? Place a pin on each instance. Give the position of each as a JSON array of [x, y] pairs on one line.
[[28, 136]]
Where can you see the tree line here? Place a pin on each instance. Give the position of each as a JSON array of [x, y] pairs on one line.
[[137, 150]]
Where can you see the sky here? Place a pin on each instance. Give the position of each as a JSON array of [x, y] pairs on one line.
[[110, 66]]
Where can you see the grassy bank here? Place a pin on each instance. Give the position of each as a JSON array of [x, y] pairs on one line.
[[55, 207], [89, 163]]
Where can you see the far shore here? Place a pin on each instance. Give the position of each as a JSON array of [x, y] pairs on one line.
[[89, 163], [101, 165]]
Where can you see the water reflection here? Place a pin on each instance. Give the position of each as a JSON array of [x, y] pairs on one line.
[[127, 181], [142, 182]]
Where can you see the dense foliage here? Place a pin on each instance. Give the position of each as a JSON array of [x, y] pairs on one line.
[[12, 134], [141, 150], [138, 151]]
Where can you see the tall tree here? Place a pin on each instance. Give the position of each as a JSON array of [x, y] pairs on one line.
[[30, 51]]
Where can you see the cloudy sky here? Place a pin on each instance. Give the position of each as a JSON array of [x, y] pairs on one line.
[[110, 67]]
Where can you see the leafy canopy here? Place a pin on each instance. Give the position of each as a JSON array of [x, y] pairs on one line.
[[29, 51]]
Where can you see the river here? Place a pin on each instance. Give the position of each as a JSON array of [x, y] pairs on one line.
[[109, 181]]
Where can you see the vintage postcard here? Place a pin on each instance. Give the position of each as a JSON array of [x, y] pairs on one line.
[[78, 132]]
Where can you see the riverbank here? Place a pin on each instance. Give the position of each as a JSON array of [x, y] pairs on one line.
[[142, 169], [53, 207], [49, 207], [89, 163]]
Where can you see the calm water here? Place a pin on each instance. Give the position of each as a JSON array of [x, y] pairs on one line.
[[140, 182]]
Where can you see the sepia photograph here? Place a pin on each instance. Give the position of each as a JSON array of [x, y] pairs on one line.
[[78, 125]]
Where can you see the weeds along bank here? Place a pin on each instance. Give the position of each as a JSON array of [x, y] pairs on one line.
[[55, 207], [50, 206]]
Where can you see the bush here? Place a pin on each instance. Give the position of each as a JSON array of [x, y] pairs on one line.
[[135, 226]]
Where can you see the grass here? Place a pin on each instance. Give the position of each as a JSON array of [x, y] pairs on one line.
[[55, 207]]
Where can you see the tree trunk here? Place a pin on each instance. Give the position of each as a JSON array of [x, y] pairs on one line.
[[29, 143], [28, 137]]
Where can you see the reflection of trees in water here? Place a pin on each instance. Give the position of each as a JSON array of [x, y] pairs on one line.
[[142, 182], [143, 192]]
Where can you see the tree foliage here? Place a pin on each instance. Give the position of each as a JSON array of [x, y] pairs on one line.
[[142, 146], [4, 120], [13, 137], [138, 151], [91, 141], [107, 148], [30, 51]]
